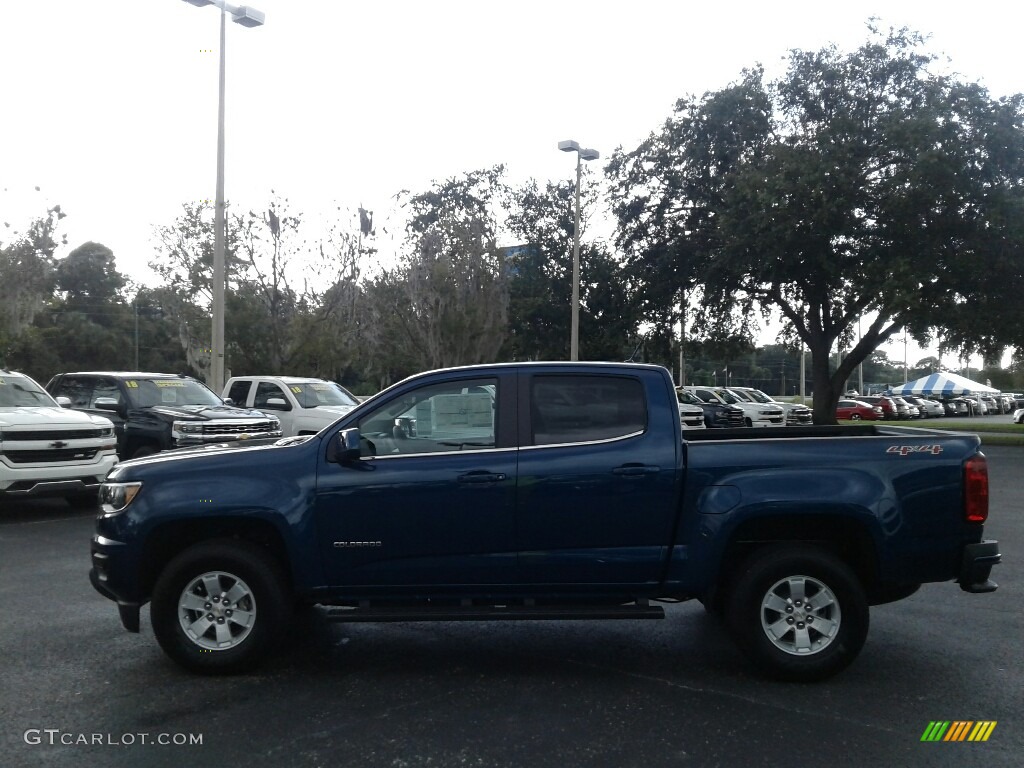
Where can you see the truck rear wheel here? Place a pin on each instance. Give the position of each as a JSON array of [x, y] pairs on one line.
[[798, 612], [220, 607]]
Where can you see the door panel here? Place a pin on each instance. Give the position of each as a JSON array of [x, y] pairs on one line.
[[431, 503], [597, 490]]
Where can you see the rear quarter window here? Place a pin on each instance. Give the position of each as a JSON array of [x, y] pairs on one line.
[[579, 409]]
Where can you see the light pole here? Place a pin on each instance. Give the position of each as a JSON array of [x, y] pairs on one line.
[[581, 155], [247, 17]]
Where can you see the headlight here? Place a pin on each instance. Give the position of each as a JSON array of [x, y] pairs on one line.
[[188, 427], [115, 497]]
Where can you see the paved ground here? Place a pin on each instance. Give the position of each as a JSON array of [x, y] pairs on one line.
[[603, 694]]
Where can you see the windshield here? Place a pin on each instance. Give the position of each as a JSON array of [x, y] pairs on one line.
[[742, 395], [758, 396], [310, 394], [688, 397], [22, 392], [145, 393], [728, 396]]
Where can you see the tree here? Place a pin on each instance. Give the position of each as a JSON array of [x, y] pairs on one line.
[[89, 279], [857, 185], [27, 267], [448, 297], [540, 284]]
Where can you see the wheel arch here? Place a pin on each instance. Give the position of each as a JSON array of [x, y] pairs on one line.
[[847, 538], [168, 540]]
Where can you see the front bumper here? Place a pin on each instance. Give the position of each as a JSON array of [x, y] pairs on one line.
[[129, 612], [976, 566]]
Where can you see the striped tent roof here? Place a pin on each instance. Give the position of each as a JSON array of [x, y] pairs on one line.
[[942, 384]]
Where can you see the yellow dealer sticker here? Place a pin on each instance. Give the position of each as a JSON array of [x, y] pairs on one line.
[[169, 383]]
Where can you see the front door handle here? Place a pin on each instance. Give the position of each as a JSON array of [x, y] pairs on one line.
[[632, 470], [481, 476]]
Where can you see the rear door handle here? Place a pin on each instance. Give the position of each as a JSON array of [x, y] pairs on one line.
[[480, 476], [636, 469]]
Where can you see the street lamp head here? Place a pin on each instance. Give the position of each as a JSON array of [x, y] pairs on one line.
[[248, 17], [590, 154], [569, 146]]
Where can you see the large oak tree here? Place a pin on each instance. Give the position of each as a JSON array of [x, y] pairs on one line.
[[857, 185]]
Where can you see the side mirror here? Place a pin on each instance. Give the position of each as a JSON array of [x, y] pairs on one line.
[[107, 404], [228, 401], [64, 402], [277, 404], [344, 447]]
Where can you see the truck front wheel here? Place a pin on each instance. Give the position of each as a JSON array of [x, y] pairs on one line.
[[799, 612], [220, 607]]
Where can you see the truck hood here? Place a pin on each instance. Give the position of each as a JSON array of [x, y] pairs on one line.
[[230, 447], [205, 412], [36, 416]]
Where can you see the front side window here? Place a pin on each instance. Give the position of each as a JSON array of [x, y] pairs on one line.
[[579, 409], [437, 418], [78, 389], [267, 391]]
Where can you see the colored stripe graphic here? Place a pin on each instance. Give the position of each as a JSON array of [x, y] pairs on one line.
[[958, 730], [982, 730]]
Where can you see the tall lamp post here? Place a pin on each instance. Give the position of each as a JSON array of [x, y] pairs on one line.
[[247, 17], [581, 155]]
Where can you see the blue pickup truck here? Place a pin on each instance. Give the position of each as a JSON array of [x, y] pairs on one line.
[[542, 491]]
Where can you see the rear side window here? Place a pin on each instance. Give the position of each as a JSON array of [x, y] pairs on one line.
[[579, 409]]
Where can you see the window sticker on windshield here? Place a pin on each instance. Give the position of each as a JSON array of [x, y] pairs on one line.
[[321, 387], [2, 381], [169, 383], [132, 384], [296, 389]]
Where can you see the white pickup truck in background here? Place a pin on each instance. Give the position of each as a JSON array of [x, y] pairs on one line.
[[304, 405], [47, 450]]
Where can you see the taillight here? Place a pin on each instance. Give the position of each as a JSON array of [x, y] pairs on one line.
[[976, 489]]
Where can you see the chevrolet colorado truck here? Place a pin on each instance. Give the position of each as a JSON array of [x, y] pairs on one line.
[[542, 491]]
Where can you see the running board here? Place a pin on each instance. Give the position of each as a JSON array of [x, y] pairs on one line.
[[494, 613]]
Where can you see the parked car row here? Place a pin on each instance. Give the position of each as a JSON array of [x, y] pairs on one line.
[[739, 407], [915, 406]]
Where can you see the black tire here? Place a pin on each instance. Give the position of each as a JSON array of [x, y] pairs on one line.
[[260, 592], [855, 416], [748, 422], [798, 650]]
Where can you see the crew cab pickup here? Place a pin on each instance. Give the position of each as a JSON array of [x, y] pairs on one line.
[[46, 450], [155, 412], [542, 491], [304, 406]]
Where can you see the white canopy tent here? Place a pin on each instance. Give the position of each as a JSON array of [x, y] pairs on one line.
[[943, 384]]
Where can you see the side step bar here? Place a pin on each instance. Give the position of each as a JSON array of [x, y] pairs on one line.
[[494, 613]]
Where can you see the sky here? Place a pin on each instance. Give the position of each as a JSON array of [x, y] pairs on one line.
[[110, 106]]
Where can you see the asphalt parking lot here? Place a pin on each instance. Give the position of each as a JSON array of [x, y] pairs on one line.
[[78, 690]]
